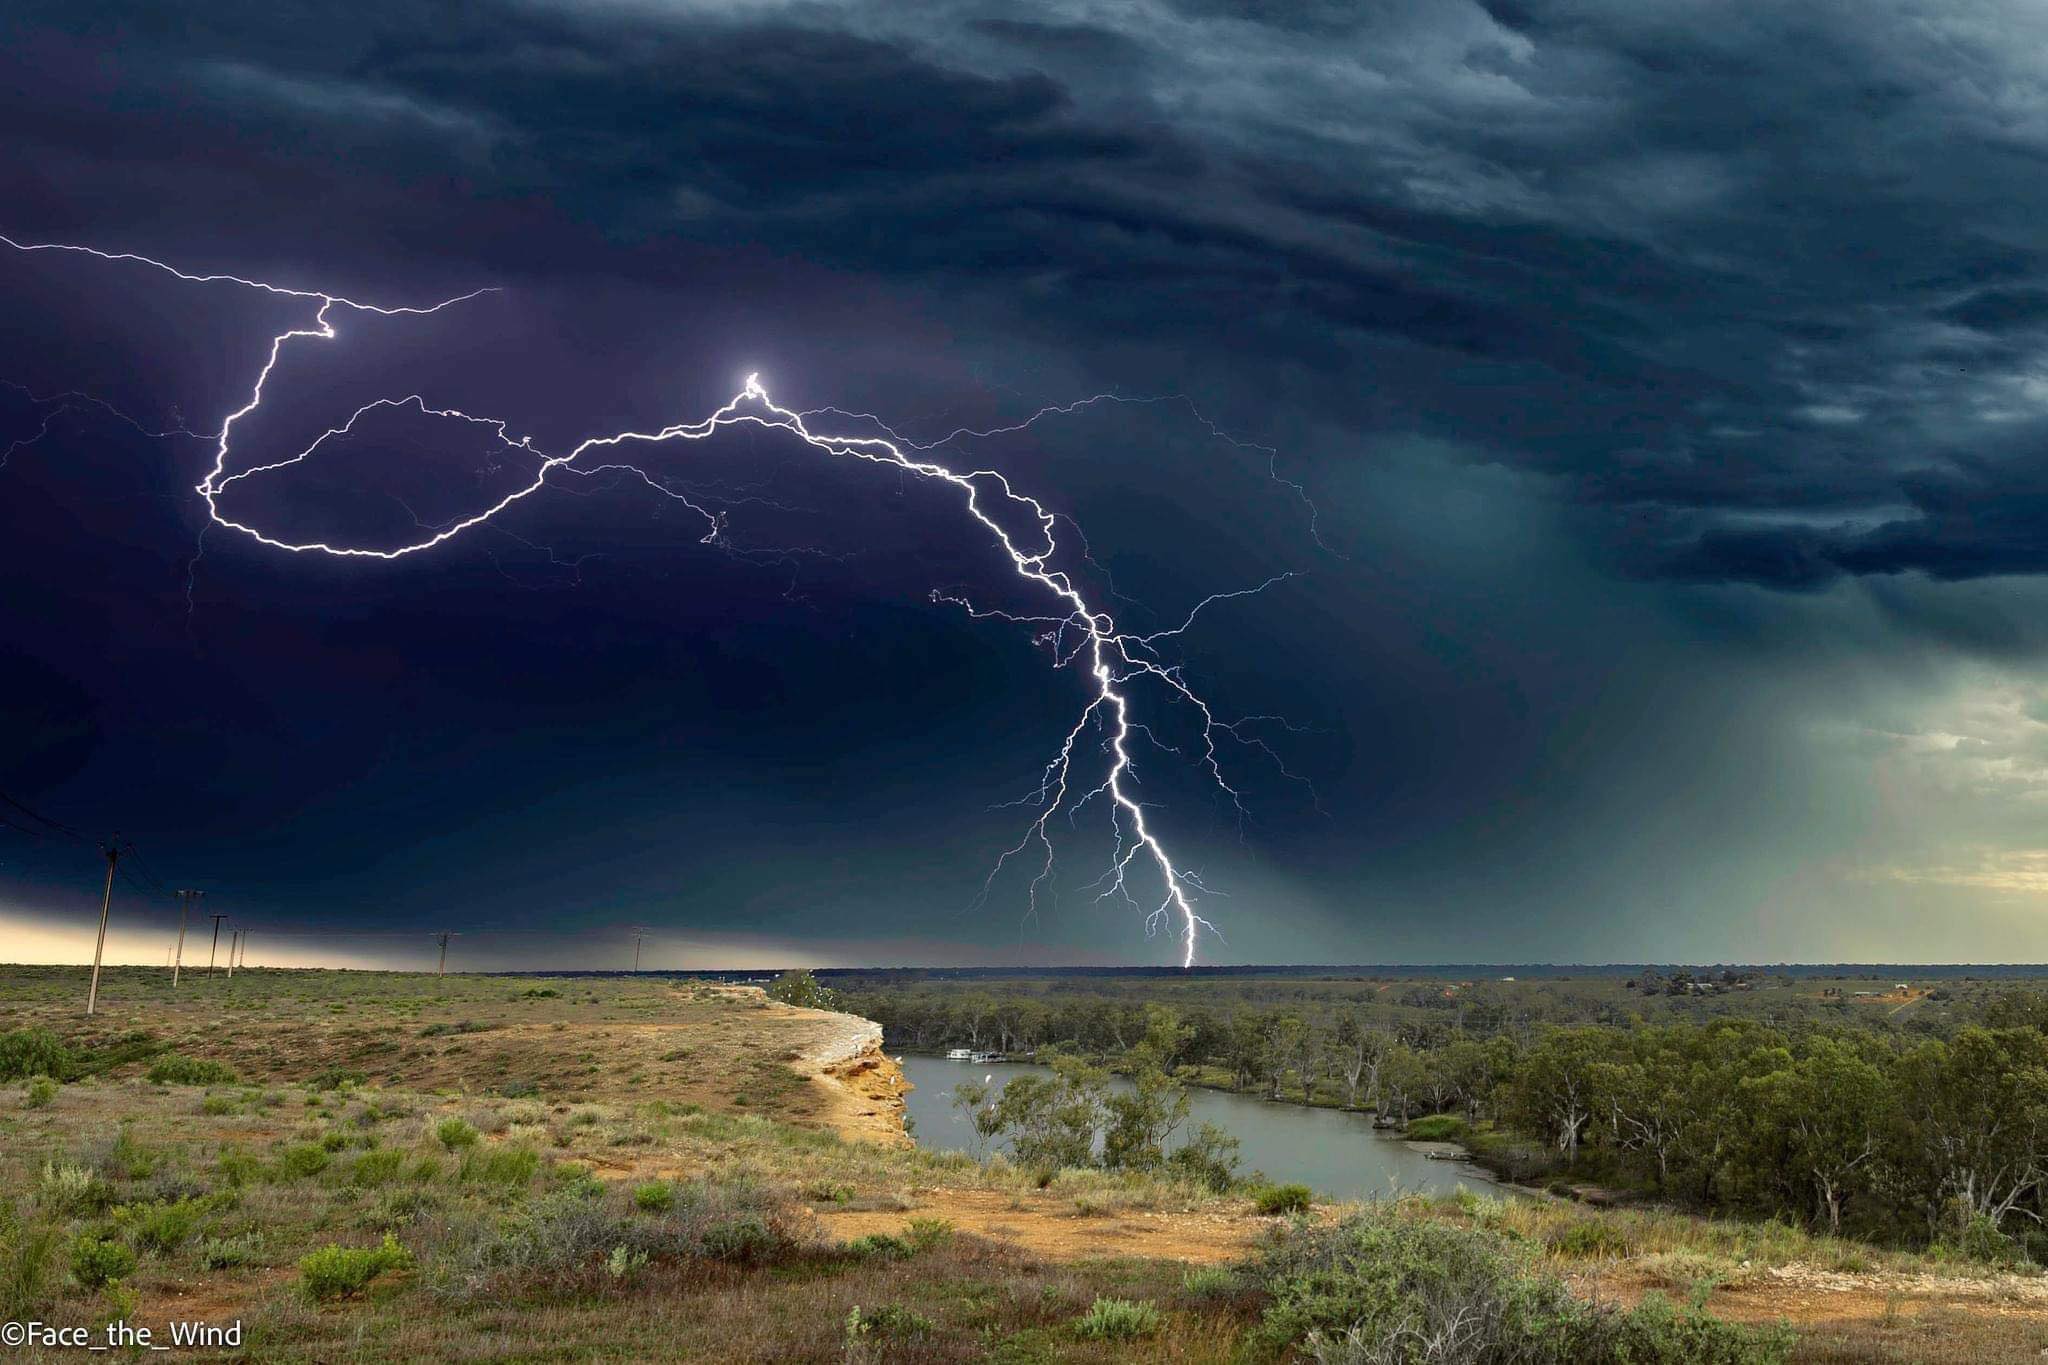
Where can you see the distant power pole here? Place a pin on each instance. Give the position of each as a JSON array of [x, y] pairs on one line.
[[442, 970], [210, 952], [185, 899], [92, 996], [636, 950], [234, 942]]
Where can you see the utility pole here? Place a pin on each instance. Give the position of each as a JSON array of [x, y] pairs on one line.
[[210, 952], [185, 899], [113, 851], [234, 946], [245, 950], [442, 970], [636, 950]]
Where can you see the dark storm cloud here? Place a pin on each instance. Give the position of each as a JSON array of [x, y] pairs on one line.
[[1687, 263], [1693, 295]]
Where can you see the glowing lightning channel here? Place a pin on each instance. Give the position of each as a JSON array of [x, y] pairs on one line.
[[1080, 633]]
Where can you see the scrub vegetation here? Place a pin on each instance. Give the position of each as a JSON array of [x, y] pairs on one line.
[[566, 1211]]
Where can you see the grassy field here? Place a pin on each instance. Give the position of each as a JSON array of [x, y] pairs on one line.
[[360, 1166]]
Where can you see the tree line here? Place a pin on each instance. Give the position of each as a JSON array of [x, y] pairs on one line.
[[1916, 1136]]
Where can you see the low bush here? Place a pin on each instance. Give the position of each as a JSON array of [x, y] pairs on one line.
[[231, 1253], [890, 1322], [67, 1190], [1119, 1320], [336, 1272], [923, 1234], [40, 1092], [879, 1246], [175, 1068], [129, 1159], [29, 1052], [1275, 1199], [453, 1133], [376, 1168], [28, 1254], [97, 1262], [656, 1196], [237, 1167], [158, 1229], [510, 1166], [1590, 1237], [565, 1230], [1384, 1287], [336, 1078], [302, 1159], [1438, 1128]]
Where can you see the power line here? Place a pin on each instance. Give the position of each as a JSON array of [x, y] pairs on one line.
[[41, 818]]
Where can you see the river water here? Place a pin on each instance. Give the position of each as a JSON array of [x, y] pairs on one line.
[[1334, 1153]]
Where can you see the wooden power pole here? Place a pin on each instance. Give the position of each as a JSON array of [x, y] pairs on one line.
[[99, 948], [215, 949], [234, 942], [185, 899], [442, 970]]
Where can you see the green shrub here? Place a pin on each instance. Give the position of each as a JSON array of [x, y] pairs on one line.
[[175, 1068], [1283, 1199], [96, 1263], [890, 1322], [923, 1234], [829, 1191], [1210, 1284], [217, 1105], [656, 1196], [1439, 1128], [231, 1253], [1371, 1287], [336, 1272], [1119, 1320], [40, 1092], [1590, 1237], [161, 1228], [129, 1159], [879, 1246], [302, 1159], [747, 1240], [513, 1166], [376, 1168], [28, 1252], [33, 1052], [237, 1166], [1981, 1241], [336, 1078], [69, 1190], [454, 1132]]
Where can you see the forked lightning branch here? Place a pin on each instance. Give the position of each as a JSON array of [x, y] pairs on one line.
[[1121, 666]]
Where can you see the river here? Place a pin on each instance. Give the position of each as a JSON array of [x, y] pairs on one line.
[[1334, 1153]]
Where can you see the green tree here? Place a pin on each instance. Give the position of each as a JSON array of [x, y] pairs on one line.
[[1826, 1116]]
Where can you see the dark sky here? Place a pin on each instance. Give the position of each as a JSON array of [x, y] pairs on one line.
[[1668, 381]]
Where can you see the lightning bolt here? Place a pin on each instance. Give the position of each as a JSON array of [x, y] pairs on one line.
[[1078, 632]]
